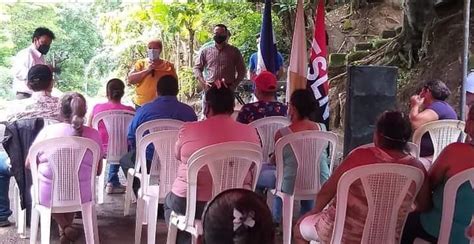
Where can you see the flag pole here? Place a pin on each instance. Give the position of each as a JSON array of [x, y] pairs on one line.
[[465, 56]]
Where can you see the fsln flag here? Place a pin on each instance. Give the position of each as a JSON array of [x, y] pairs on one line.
[[298, 58], [267, 50], [317, 68]]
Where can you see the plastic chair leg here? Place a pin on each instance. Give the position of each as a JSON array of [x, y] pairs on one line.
[[20, 214], [101, 185], [152, 216], [89, 224], [288, 202], [139, 220], [34, 226], [128, 194], [45, 220]]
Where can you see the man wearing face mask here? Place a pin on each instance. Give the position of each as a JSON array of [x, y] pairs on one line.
[[222, 61], [28, 57], [147, 72]]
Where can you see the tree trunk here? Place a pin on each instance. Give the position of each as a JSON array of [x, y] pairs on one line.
[[176, 41], [191, 47]]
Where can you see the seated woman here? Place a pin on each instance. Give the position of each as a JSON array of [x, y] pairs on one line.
[[454, 159], [115, 90], [237, 216], [392, 133], [218, 127], [41, 104], [430, 105], [73, 110], [302, 105]]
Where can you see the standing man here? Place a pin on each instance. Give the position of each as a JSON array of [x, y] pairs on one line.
[[222, 61], [253, 62], [147, 72], [28, 57]]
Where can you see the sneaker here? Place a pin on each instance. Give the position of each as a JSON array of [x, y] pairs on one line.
[[5, 223], [110, 189]]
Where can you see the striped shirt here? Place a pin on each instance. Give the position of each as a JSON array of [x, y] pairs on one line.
[[226, 63]]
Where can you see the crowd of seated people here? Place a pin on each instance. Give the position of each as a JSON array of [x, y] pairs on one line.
[[240, 216]]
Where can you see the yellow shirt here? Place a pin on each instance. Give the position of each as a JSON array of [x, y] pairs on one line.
[[145, 90]]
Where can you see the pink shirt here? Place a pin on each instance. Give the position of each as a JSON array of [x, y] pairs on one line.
[[45, 172], [196, 135], [101, 107]]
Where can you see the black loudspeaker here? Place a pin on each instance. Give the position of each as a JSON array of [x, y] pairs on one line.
[[370, 90]]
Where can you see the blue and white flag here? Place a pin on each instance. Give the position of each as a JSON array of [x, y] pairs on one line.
[[267, 50]]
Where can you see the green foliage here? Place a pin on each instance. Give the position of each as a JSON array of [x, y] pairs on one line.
[[188, 84], [98, 41], [77, 39], [5, 83]]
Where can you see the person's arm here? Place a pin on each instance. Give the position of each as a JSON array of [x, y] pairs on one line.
[[439, 168], [423, 199], [21, 64], [179, 144], [418, 118], [469, 99], [240, 68], [139, 73], [199, 67]]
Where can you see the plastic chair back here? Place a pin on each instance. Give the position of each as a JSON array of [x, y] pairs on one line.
[[157, 125], [413, 149], [307, 147], [449, 200], [267, 128], [386, 186], [228, 163], [166, 168], [442, 133], [64, 156], [116, 124]]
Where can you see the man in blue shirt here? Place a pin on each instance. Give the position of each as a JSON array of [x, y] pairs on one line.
[[165, 106], [254, 59]]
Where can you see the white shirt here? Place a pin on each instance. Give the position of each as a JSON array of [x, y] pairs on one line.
[[22, 62], [470, 82]]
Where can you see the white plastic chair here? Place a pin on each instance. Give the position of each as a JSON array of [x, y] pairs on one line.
[[413, 149], [442, 133], [116, 124], [164, 170], [386, 186], [449, 201], [21, 213], [65, 155], [147, 127], [228, 163], [307, 147], [267, 128]]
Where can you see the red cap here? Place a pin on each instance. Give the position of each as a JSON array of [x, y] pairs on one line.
[[266, 82]]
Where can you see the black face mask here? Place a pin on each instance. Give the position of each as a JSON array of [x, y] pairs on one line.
[[43, 49], [220, 39]]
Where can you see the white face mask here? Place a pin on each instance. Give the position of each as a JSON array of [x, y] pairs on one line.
[[154, 54]]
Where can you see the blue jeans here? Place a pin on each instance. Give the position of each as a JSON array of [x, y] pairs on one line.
[[5, 175], [112, 177], [267, 179]]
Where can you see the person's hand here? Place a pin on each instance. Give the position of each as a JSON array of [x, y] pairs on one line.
[[220, 83], [153, 65], [416, 100]]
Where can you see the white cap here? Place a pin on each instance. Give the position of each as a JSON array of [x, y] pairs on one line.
[[470, 82]]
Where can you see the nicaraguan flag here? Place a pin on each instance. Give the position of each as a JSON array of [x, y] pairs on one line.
[[267, 50]]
